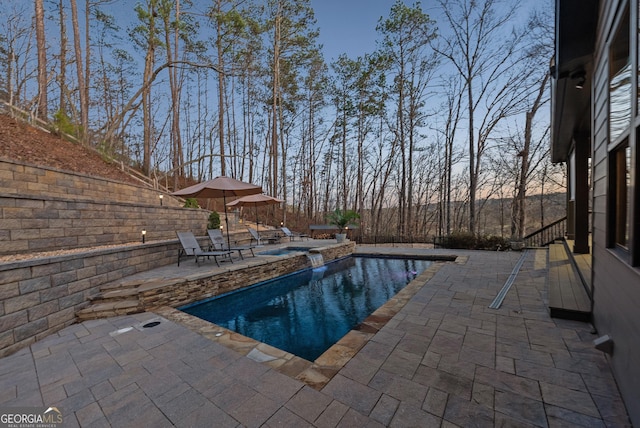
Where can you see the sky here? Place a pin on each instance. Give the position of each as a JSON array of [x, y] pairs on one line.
[[349, 26], [346, 26]]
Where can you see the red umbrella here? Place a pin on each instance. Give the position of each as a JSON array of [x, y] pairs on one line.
[[220, 187], [257, 200]]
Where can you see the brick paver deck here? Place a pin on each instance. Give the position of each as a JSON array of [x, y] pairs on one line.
[[445, 359]]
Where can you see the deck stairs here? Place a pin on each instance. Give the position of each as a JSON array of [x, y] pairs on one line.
[[547, 235], [569, 283], [569, 277]]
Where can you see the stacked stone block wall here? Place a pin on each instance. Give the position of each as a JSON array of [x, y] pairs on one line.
[[21, 179], [333, 252], [46, 210], [32, 224], [183, 292], [41, 296]]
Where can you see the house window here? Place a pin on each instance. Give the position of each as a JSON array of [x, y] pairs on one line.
[[620, 80], [620, 195]]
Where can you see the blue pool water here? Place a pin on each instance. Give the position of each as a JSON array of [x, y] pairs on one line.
[[305, 313]]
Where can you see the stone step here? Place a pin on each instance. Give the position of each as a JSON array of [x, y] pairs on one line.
[[109, 309], [115, 295], [121, 298], [122, 284]]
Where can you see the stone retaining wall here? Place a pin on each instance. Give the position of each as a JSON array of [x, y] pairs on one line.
[[43, 209], [41, 296], [183, 292], [333, 252], [47, 224], [22, 179]]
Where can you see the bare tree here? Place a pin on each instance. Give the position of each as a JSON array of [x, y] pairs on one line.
[[169, 12], [217, 13], [451, 111], [146, 37], [293, 42], [16, 45], [62, 75], [116, 74], [315, 85], [483, 55], [518, 215], [407, 35], [540, 48]]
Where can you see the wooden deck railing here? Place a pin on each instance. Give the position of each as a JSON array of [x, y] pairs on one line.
[[546, 235]]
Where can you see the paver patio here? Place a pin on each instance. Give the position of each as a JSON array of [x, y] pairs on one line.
[[445, 359]]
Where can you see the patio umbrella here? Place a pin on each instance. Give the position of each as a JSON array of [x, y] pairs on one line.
[[257, 200], [220, 187]]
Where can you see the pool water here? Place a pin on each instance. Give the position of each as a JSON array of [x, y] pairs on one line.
[[307, 312]]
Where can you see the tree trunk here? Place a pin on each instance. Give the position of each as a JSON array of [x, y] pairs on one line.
[[84, 115], [177, 159], [62, 76], [274, 105], [146, 94], [43, 110], [519, 217], [283, 156], [360, 176], [473, 178], [221, 89], [87, 70], [343, 161], [403, 167]]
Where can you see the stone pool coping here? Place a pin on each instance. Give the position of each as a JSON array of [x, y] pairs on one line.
[[318, 373]]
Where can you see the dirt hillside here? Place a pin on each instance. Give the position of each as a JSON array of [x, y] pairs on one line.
[[21, 142]]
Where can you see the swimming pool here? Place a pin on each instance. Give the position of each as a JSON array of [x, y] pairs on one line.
[[305, 313]]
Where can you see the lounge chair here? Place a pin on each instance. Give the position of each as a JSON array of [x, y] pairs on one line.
[[191, 247], [255, 236], [219, 244], [292, 235]]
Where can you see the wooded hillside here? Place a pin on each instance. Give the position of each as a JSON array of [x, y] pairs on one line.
[[444, 115]]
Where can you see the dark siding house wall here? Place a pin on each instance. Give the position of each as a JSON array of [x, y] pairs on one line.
[[616, 282]]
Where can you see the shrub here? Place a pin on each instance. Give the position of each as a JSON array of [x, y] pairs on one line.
[[191, 203], [493, 243], [214, 220], [460, 240], [62, 124], [468, 241]]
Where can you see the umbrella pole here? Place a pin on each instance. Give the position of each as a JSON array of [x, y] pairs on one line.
[[226, 218], [257, 224]]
